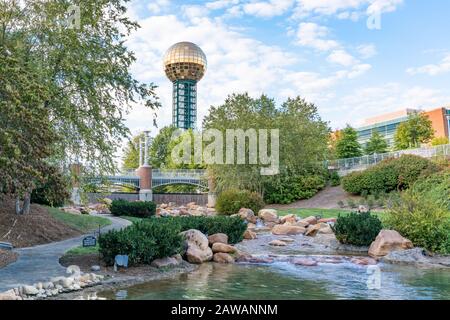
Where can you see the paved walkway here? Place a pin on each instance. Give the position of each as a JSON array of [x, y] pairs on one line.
[[40, 263]]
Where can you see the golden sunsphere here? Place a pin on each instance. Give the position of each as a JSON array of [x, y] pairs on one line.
[[185, 61]]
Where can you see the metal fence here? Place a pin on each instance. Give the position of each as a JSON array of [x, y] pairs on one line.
[[362, 163]]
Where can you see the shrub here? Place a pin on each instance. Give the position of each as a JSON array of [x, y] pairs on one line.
[[159, 237], [389, 175], [234, 227], [422, 220], [341, 204], [53, 191], [335, 179], [143, 242], [286, 188], [370, 202], [359, 229], [435, 187], [231, 201], [140, 209], [351, 203]]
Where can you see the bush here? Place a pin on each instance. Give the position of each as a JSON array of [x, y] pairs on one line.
[[422, 220], [233, 227], [287, 188], [351, 204], [143, 242], [435, 187], [156, 238], [335, 179], [53, 191], [231, 201], [358, 229], [139, 209], [389, 175]]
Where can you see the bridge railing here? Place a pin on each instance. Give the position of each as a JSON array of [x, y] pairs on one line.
[[361, 163], [179, 173]]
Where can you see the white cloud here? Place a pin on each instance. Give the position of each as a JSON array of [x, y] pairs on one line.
[[269, 8], [220, 4], [312, 35], [157, 6], [382, 6], [432, 69], [367, 51], [342, 57]]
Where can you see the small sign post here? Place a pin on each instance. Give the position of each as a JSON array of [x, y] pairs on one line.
[[89, 241]]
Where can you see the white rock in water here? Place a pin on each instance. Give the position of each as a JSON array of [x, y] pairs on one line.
[[67, 282], [48, 285], [95, 268], [30, 290]]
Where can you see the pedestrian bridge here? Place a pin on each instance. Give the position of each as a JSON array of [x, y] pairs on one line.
[[160, 177]]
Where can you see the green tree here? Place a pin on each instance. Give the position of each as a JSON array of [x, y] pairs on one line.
[[66, 87], [376, 144], [439, 141], [347, 146], [159, 149], [130, 160], [416, 130]]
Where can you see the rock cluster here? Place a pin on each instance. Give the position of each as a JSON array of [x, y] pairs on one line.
[[388, 241], [53, 287], [97, 208], [190, 209]]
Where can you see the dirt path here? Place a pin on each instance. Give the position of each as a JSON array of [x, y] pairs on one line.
[[328, 198]]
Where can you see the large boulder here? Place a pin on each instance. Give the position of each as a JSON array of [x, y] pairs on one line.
[[288, 219], [319, 228], [249, 235], [309, 220], [387, 241], [222, 247], [283, 229], [247, 214], [222, 257], [268, 215], [218, 238], [198, 250]]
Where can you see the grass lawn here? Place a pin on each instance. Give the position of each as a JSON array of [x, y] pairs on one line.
[[324, 213], [82, 250], [83, 223]]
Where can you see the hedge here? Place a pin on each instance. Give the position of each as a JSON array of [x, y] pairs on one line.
[[389, 175], [139, 209], [231, 201], [159, 237], [359, 229]]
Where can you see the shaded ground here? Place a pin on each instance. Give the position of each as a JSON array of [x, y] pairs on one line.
[[37, 227], [328, 198], [7, 257], [40, 263]]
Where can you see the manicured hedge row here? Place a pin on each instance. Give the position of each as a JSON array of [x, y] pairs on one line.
[[159, 237], [140, 209], [389, 175]]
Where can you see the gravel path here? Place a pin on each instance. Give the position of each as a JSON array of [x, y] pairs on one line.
[[40, 263]]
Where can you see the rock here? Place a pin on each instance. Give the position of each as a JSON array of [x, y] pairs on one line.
[[165, 262], [67, 282], [327, 220], [321, 228], [218, 238], [289, 219], [9, 295], [30, 290], [38, 285], [387, 241], [190, 204], [301, 224], [248, 215], [251, 226], [222, 247], [222, 257], [95, 268], [277, 243], [76, 286], [254, 259], [363, 209], [178, 257], [54, 292], [163, 206], [270, 225], [287, 239], [417, 257], [72, 210], [48, 285], [309, 220], [363, 261], [249, 235], [283, 229], [198, 250], [268, 215], [307, 262]]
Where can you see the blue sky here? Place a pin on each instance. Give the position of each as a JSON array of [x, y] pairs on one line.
[[321, 50]]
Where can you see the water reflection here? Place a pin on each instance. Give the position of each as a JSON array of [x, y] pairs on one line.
[[282, 280]]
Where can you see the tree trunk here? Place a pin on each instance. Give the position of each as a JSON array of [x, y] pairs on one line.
[[26, 204]]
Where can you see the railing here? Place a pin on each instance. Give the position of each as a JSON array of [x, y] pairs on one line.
[[179, 173], [361, 163]]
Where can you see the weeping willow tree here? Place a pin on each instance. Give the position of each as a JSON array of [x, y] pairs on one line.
[[67, 86]]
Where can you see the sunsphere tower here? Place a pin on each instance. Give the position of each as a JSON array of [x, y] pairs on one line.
[[185, 64]]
